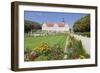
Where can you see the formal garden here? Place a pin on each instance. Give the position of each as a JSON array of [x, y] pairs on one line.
[[42, 45], [53, 47]]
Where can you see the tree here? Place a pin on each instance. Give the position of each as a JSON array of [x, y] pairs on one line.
[[30, 25], [27, 28], [83, 24]]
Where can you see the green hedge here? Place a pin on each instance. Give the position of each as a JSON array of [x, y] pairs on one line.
[[75, 49], [87, 34]]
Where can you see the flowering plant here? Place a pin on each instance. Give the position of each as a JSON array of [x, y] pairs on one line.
[[42, 48]]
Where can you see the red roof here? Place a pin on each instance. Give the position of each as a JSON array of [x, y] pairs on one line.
[[60, 24], [49, 24]]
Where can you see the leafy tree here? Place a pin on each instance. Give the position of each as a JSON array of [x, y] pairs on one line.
[[30, 25], [27, 28], [83, 24]]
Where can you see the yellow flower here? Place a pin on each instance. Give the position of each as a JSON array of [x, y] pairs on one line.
[[42, 47], [81, 57]]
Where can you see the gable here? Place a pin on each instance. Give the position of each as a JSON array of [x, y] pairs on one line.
[[60, 24]]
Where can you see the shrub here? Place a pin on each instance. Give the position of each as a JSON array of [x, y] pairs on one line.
[[56, 52], [27, 52], [42, 48], [75, 49], [41, 57], [46, 52], [87, 34], [81, 57]]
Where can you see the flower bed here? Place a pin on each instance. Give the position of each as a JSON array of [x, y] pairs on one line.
[[75, 49]]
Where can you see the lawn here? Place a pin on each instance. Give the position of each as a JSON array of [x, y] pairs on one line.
[[32, 42], [52, 47]]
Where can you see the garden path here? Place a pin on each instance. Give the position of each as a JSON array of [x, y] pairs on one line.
[[65, 49]]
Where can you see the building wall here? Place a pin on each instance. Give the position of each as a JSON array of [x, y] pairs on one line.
[[55, 28]]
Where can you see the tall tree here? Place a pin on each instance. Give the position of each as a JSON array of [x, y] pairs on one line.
[[30, 25], [83, 24]]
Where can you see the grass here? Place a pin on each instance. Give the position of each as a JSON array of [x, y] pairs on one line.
[[32, 42], [56, 44]]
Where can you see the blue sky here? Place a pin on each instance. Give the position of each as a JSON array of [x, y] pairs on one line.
[[41, 17]]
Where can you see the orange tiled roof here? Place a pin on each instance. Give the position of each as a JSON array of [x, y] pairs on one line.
[[60, 24]]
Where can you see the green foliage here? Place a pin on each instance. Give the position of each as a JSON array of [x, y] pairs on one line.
[[27, 28], [30, 25], [83, 24], [41, 58], [52, 48], [56, 52], [46, 47], [32, 42], [87, 34], [75, 49], [42, 48], [26, 54]]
